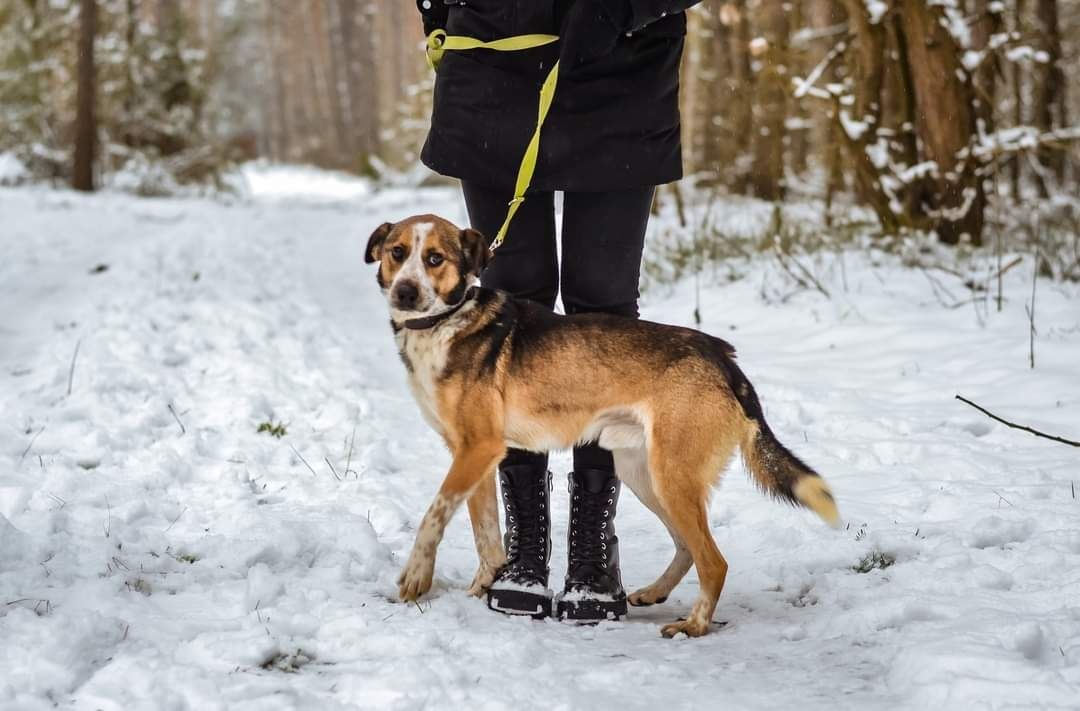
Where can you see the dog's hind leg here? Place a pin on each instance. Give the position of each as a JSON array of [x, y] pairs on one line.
[[469, 468], [681, 477], [484, 515], [632, 466]]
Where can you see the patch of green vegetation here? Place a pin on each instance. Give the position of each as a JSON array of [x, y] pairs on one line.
[[273, 430], [874, 560]]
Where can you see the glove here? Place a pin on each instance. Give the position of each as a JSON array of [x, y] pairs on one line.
[[587, 33]]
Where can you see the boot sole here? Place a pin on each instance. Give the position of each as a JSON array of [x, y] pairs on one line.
[[591, 611], [519, 603]]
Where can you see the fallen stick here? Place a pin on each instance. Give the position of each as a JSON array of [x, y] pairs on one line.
[[32, 440], [297, 453], [183, 430], [1015, 426], [71, 371]]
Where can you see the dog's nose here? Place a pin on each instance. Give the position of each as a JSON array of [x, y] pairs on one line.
[[406, 294]]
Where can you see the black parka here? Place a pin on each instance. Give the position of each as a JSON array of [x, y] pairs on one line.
[[614, 122]]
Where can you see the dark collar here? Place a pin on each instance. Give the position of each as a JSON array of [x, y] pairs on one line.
[[426, 322]]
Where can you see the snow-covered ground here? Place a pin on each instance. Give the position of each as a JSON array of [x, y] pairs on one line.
[[157, 551]]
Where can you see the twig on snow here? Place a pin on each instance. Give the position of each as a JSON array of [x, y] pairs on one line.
[[1002, 498], [297, 453], [1015, 426], [183, 430], [348, 457], [173, 523], [71, 371], [32, 440], [108, 521], [332, 470]]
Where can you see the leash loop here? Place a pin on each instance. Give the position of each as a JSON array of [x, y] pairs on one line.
[[438, 43]]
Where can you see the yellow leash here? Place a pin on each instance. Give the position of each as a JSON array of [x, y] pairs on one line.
[[439, 42]]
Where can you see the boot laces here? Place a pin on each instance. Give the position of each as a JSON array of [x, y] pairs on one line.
[[526, 516], [589, 525]]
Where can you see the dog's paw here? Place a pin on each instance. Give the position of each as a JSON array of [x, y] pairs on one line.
[[485, 576], [647, 596], [690, 628], [415, 580]]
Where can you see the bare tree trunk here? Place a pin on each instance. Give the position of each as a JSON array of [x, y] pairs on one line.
[[325, 144], [338, 89], [945, 119], [987, 24], [278, 68], [798, 126], [716, 77], [360, 71], [1049, 85], [825, 16], [82, 176], [869, 83], [741, 95], [131, 21], [770, 107], [870, 68], [906, 118], [1015, 170]]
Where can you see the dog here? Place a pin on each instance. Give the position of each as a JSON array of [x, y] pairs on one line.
[[490, 371]]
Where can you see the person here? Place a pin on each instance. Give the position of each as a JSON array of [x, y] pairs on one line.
[[611, 137]]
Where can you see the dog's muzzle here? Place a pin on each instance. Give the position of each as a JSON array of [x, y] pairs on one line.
[[405, 296]]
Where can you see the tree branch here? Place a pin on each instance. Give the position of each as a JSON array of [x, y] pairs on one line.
[[1015, 426]]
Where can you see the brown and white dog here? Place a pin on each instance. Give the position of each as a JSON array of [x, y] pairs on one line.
[[490, 371]]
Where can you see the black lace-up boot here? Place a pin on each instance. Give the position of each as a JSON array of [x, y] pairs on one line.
[[594, 588], [520, 586]]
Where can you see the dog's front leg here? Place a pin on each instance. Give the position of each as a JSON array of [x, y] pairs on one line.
[[484, 515], [470, 466]]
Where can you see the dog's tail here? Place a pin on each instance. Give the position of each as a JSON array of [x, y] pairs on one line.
[[785, 476], [775, 469]]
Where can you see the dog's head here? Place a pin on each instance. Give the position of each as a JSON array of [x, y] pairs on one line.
[[426, 263]]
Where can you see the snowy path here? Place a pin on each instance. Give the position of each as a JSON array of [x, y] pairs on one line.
[[144, 567]]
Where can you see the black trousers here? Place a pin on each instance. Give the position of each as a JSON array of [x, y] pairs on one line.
[[603, 235]]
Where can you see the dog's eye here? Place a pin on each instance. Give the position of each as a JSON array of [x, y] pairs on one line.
[[397, 252], [434, 259]]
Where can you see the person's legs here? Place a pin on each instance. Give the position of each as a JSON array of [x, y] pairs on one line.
[[527, 263], [603, 238], [527, 267]]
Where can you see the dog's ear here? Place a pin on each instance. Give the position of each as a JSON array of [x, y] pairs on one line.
[[477, 250], [375, 242]]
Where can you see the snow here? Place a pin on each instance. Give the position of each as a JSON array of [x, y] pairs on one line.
[[156, 551], [300, 183], [12, 170], [877, 10], [853, 128], [1024, 52]]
